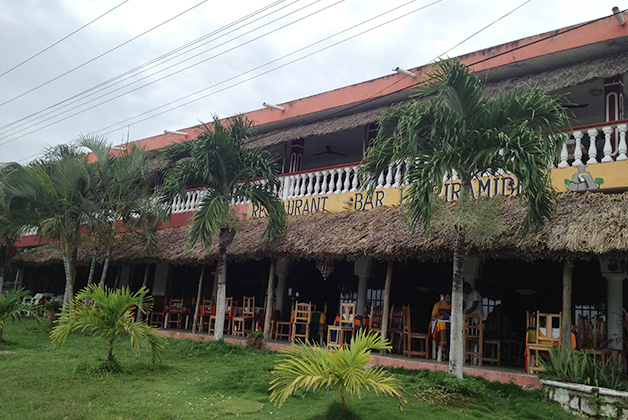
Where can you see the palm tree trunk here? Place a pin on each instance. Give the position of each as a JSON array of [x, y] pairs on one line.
[[198, 300], [69, 283], [221, 292], [268, 316], [105, 266], [110, 355], [1, 277], [140, 314], [456, 345], [92, 267]]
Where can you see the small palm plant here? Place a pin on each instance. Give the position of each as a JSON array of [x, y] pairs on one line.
[[13, 306], [344, 370], [110, 316]]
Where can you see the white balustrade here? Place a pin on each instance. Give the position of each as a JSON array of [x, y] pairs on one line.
[[622, 148], [592, 146]]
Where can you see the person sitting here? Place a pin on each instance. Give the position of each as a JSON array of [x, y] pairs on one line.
[[442, 309], [472, 300], [440, 329]]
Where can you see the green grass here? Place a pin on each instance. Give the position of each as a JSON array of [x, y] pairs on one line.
[[216, 380]]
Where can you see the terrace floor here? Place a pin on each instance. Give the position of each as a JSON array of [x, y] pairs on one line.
[[504, 374]]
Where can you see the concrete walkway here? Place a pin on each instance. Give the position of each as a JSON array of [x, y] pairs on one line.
[[490, 372]]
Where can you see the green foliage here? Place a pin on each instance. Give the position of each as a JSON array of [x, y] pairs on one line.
[[39, 381], [344, 370], [255, 334], [13, 307], [52, 306], [567, 365], [99, 369], [110, 317], [218, 161]]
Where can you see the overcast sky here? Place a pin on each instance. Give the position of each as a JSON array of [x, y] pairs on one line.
[[97, 98]]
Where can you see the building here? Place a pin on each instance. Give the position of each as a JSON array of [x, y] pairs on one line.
[[340, 244]]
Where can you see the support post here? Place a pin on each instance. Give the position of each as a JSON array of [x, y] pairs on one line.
[[614, 308], [567, 291], [386, 310], [198, 300], [282, 270], [362, 269], [268, 316]]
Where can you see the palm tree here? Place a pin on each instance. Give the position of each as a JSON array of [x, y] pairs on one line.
[[218, 161], [8, 229], [121, 191], [13, 306], [456, 126], [51, 195], [110, 316], [313, 367]]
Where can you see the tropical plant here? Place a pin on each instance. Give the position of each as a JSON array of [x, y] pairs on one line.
[[456, 127], [219, 161], [9, 230], [110, 315], [568, 365], [51, 195], [121, 190], [14, 305], [312, 367]]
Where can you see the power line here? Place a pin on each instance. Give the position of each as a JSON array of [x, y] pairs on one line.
[[173, 65], [101, 55], [62, 39], [153, 61], [338, 112]]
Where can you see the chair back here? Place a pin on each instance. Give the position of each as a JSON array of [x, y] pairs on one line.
[[376, 317], [228, 305], [248, 309], [176, 306], [347, 314], [303, 312], [549, 328], [395, 320], [473, 329], [407, 318], [207, 307]]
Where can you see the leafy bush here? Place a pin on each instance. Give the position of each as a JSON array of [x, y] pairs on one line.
[[103, 368], [566, 365]]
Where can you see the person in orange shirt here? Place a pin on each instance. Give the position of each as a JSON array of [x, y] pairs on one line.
[[442, 309]]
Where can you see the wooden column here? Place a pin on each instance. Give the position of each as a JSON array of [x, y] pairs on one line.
[[198, 300], [567, 287], [386, 310], [268, 316]]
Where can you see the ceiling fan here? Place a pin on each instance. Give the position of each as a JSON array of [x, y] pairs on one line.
[[328, 151]]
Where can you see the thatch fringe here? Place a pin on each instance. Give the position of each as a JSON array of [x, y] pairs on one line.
[[588, 225]]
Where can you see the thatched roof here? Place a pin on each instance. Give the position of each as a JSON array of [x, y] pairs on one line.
[[588, 225], [553, 80]]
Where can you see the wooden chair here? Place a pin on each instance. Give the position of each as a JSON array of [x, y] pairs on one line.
[[395, 328], [492, 351], [543, 331], [156, 318], [248, 316], [227, 326], [376, 318], [204, 314], [301, 323], [409, 335], [473, 337], [336, 333], [282, 328], [175, 313]]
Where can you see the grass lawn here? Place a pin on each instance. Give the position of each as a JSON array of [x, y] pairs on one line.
[[216, 380]]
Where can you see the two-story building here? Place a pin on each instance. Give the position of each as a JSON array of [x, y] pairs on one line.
[[341, 244]]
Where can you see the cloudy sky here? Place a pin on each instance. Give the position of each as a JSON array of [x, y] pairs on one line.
[[151, 65]]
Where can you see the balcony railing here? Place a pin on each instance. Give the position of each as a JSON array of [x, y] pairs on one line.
[[596, 143], [586, 145]]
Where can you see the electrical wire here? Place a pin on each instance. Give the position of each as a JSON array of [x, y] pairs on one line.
[[141, 67], [30, 123], [374, 97], [62, 39], [101, 55]]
